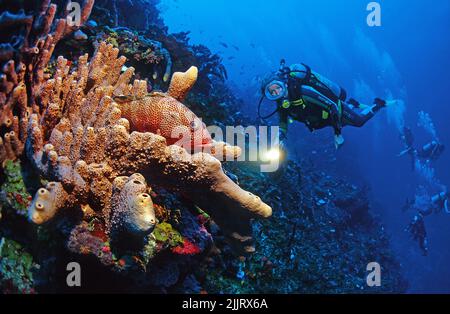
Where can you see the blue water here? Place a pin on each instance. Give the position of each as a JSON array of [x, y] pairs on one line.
[[406, 58]]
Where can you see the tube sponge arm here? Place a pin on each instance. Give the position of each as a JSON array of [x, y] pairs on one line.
[[182, 82], [132, 208], [47, 202]]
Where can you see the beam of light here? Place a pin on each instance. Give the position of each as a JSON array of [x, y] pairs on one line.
[[272, 155]]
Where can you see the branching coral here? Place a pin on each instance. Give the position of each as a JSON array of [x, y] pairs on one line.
[[82, 143]]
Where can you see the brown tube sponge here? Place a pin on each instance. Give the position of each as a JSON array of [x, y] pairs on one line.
[[132, 207], [21, 79], [47, 202], [91, 150], [182, 82]]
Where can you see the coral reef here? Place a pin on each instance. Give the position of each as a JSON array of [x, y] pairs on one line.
[[133, 214], [83, 143], [211, 70], [114, 192], [144, 53], [137, 14], [310, 245], [22, 76], [152, 51], [13, 191]]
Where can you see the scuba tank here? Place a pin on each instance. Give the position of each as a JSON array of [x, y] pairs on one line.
[[441, 198], [331, 86], [306, 76], [301, 74]]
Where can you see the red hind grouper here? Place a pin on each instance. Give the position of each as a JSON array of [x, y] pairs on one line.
[[165, 115]]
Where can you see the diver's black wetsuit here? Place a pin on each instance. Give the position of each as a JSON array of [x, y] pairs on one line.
[[351, 117], [318, 103], [419, 232], [437, 203]]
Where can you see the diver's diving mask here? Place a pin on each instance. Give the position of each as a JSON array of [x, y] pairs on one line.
[[275, 90]]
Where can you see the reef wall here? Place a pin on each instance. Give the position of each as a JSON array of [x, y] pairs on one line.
[[83, 179]]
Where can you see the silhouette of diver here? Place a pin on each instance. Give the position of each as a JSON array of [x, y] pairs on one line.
[[428, 152], [419, 233], [436, 204]]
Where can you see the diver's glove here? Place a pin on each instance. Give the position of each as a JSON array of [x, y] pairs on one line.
[[337, 126], [338, 140]]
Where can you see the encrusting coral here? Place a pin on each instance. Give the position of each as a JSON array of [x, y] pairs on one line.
[[82, 142]]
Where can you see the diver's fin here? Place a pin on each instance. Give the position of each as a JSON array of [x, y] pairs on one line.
[[391, 103], [379, 102], [404, 152], [385, 103]]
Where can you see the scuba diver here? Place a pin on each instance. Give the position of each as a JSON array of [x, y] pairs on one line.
[[425, 207], [308, 97], [419, 233], [428, 152]]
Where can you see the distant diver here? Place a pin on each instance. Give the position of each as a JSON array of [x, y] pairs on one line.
[[436, 204], [306, 96], [428, 152], [419, 233]]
